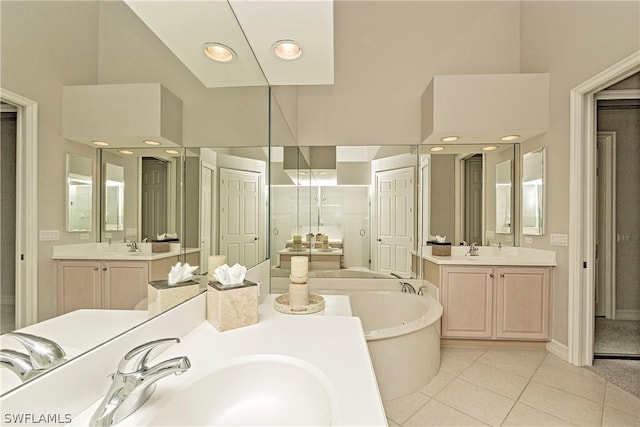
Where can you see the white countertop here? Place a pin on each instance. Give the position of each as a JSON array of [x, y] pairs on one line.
[[330, 340], [319, 252], [117, 251], [491, 255]]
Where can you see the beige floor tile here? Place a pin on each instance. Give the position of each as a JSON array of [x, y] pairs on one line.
[[400, 410], [523, 362], [526, 416], [498, 380], [453, 364], [621, 400], [557, 373], [561, 404], [435, 413], [392, 423], [469, 353], [475, 401], [615, 418], [436, 385]]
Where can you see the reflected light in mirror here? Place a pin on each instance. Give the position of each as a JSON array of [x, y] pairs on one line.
[[151, 142], [489, 148], [219, 52], [449, 138], [510, 138], [100, 143], [436, 149], [172, 151], [125, 151]]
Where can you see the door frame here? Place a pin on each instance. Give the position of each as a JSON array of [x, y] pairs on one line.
[[582, 207], [26, 208], [213, 242], [459, 202]]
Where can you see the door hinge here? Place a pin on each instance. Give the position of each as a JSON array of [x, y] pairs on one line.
[[21, 257], [584, 264]]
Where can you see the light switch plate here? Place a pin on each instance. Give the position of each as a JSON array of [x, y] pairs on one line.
[[84, 236], [507, 238], [528, 240], [132, 232], [490, 235], [559, 239], [49, 235]]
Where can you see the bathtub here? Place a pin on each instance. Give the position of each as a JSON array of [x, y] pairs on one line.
[[402, 333]]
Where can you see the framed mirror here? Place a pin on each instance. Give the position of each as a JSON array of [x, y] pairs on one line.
[[79, 193], [113, 197], [504, 197], [533, 193]]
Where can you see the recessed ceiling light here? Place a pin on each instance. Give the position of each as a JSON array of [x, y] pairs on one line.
[[489, 148], [438, 148], [219, 52], [100, 143], [450, 138], [287, 49], [172, 151], [510, 138], [151, 142], [303, 173], [322, 173], [125, 151]]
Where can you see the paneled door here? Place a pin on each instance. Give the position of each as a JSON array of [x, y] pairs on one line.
[[154, 197], [239, 221], [394, 216]]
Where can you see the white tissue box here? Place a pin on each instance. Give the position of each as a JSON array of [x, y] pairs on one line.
[[232, 306]]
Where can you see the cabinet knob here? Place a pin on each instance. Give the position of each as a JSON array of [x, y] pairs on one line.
[[104, 268], [95, 268], [502, 275], [490, 274]]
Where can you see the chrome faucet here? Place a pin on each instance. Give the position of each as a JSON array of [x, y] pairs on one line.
[[134, 246], [42, 354], [407, 288], [134, 381], [473, 250], [421, 290]]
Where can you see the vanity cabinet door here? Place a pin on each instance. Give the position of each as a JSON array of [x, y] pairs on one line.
[[124, 283], [467, 299], [522, 303], [79, 285]]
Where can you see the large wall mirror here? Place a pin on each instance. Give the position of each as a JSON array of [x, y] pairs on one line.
[[467, 193], [79, 193], [533, 192]]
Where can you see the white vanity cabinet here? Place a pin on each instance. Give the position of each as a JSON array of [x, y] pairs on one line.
[[101, 284], [495, 302]]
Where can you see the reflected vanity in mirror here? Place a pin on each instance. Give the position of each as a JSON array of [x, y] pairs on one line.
[[533, 192], [468, 194], [79, 193]]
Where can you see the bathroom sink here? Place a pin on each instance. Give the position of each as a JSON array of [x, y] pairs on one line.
[[254, 390]]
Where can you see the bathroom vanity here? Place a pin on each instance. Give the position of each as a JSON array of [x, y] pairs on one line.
[[103, 276], [501, 294]]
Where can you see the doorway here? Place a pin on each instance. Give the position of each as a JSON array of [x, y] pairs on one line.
[[207, 214], [8, 140], [617, 291], [154, 197]]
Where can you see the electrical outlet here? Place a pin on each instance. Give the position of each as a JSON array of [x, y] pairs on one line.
[[490, 234], [507, 238], [49, 235], [528, 240], [84, 236], [132, 232], [559, 239], [108, 235]]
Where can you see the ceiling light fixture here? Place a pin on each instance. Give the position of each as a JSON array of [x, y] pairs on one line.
[[151, 142], [127, 152], [438, 148], [489, 148], [450, 138], [100, 143], [219, 52], [172, 151], [287, 50], [510, 138]]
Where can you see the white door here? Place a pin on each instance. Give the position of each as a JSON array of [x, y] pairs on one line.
[[154, 197], [207, 218], [394, 210], [239, 219], [473, 200]]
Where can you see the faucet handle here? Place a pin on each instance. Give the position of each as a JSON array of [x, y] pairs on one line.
[[137, 358], [43, 353]]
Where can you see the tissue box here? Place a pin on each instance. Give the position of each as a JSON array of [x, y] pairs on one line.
[[161, 297], [232, 306], [441, 249], [160, 247]]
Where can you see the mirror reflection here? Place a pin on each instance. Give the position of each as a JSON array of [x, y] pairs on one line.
[[533, 192], [113, 197], [79, 193], [350, 209], [466, 193]]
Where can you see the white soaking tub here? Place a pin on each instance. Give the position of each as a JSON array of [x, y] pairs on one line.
[[402, 333]]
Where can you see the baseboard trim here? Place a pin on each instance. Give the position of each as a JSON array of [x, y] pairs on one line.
[[558, 349], [627, 314]]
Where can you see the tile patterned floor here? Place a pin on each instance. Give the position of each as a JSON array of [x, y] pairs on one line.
[[513, 387]]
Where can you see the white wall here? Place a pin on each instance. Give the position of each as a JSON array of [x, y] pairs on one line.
[[572, 41]]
